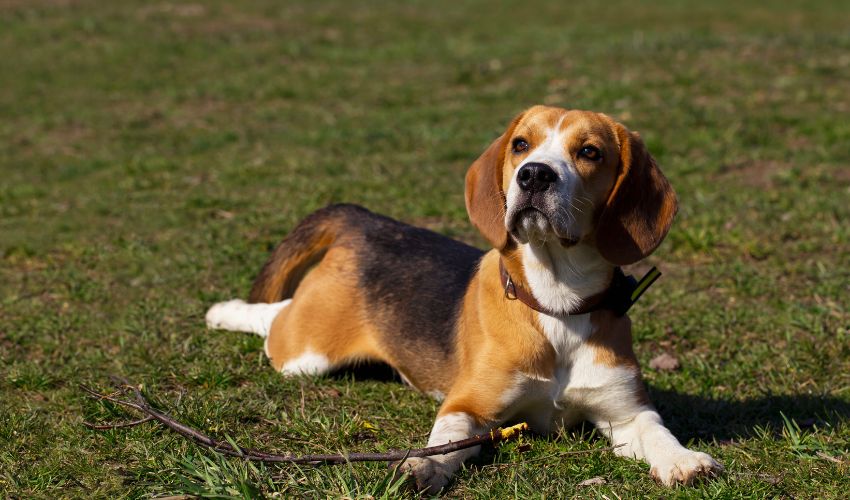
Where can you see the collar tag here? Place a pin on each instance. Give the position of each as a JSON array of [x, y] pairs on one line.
[[510, 289]]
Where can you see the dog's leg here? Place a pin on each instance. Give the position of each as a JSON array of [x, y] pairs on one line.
[[620, 409], [605, 381], [433, 473], [239, 316], [644, 436], [619, 406]]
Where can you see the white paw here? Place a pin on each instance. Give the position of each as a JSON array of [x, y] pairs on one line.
[[430, 476], [218, 315], [684, 467]]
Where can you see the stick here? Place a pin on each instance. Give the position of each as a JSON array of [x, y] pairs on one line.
[[142, 405], [118, 425]]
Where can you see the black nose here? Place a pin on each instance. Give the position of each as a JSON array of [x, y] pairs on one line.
[[535, 177]]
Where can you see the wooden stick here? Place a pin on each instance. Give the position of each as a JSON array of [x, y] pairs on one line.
[[142, 405], [118, 425]]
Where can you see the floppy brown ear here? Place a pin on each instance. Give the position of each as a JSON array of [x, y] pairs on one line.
[[485, 199], [640, 207]]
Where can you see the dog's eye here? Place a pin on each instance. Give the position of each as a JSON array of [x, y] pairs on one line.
[[519, 145], [591, 153]]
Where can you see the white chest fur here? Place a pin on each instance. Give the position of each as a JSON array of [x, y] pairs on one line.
[[539, 399], [579, 388], [560, 279]]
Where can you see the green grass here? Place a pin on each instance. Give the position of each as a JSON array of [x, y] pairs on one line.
[[153, 152]]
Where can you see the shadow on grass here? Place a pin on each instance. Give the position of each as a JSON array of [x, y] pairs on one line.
[[379, 372], [695, 417], [700, 418]]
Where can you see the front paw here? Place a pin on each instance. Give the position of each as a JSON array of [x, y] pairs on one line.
[[684, 467], [430, 475]]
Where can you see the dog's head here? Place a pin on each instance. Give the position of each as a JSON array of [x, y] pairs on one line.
[[574, 176]]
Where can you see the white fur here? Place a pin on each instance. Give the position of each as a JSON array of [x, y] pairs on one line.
[[540, 400], [433, 473], [645, 437], [239, 316], [309, 363], [580, 388], [550, 152], [603, 394], [569, 210], [437, 395], [559, 278]]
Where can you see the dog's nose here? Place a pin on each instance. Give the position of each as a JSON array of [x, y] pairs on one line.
[[535, 177]]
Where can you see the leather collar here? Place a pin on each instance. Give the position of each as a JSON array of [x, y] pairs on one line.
[[618, 297]]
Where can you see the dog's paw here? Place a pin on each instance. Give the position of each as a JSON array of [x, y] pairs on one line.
[[684, 467], [430, 476], [219, 313]]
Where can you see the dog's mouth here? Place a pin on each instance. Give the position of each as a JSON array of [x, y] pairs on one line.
[[532, 225]]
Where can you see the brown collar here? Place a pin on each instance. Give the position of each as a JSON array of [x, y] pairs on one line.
[[610, 298]]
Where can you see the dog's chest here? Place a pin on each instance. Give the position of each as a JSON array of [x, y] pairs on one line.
[[566, 393]]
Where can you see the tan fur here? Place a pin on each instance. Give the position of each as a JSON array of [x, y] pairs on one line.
[[629, 206], [612, 340], [613, 346], [293, 257], [496, 339], [326, 317], [494, 336], [485, 200], [581, 128], [640, 208]]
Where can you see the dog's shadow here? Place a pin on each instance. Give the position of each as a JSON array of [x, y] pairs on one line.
[[367, 370], [699, 418]]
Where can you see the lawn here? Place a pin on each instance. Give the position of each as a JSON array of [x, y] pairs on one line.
[[153, 152]]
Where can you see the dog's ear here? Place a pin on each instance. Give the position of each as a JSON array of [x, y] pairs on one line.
[[640, 207], [485, 198]]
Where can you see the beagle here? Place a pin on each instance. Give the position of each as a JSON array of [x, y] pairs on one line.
[[523, 332]]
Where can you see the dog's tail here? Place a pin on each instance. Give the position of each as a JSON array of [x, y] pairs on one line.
[[296, 254]]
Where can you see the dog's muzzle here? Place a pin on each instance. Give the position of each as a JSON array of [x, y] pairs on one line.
[[535, 212]]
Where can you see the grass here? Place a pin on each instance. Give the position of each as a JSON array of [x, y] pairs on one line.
[[153, 152]]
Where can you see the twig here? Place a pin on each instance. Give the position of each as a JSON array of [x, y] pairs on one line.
[[119, 425], [141, 404], [830, 458]]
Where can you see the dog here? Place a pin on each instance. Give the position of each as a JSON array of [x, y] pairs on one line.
[[523, 332]]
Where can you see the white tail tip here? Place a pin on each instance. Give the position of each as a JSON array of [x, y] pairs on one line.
[[238, 316]]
